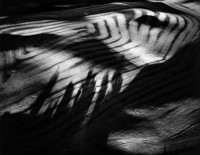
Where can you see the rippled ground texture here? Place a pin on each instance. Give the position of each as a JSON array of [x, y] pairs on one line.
[[120, 78]]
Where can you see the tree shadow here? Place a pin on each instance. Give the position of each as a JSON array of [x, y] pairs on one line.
[[53, 131], [85, 129]]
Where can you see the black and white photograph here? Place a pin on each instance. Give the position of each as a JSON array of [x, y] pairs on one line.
[[86, 77]]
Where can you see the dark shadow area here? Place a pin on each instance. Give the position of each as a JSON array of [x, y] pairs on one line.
[[10, 7], [20, 9]]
